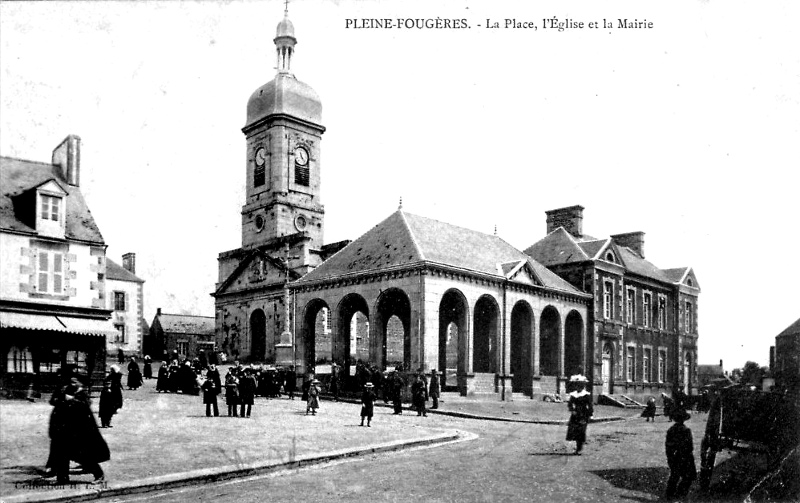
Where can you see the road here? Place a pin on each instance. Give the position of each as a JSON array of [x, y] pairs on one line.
[[496, 461]]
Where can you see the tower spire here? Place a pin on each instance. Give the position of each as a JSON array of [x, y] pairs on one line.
[[285, 42]]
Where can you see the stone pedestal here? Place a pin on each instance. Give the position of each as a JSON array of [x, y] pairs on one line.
[[284, 351], [504, 384]]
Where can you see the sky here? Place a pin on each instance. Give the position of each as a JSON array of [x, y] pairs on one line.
[[688, 130]]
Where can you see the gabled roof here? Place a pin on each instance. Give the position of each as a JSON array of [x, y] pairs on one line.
[[560, 247], [186, 324], [792, 329], [404, 239], [18, 177], [276, 271], [119, 273]]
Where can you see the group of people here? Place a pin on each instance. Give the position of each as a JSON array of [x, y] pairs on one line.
[[679, 445]]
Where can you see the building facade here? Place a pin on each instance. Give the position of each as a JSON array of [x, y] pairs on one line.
[[411, 293], [643, 322], [125, 295], [53, 306], [787, 359], [181, 335]]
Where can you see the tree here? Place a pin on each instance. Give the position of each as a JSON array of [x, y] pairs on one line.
[[752, 374]]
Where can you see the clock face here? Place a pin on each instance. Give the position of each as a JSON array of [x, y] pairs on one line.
[[261, 156], [301, 156]]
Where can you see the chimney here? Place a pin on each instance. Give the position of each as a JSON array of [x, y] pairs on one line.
[[633, 240], [570, 218], [67, 156], [129, 262], [158, 311]]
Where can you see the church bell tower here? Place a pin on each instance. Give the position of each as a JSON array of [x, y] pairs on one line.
[[283, 132]]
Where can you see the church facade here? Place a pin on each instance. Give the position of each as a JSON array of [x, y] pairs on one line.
[[411, 293]]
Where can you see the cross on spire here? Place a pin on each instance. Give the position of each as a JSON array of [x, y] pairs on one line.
[[286, 6]]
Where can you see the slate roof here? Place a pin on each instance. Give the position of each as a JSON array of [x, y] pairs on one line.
[[17, 177], [117, 272], [186, 324], [792, 329], [404, 239], [560, 247]]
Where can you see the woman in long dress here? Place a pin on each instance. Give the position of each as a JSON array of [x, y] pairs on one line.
[[581, 410], [134, 374], [313, 398]]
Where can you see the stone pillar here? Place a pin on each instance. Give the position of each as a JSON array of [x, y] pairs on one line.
[[284, 350]]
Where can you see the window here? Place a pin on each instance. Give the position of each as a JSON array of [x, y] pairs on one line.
[[662, 313], [119, 301], [631, 305], [608, 296], [78, 360], [121, 335], [259, 176], [689, 318], [183, 348], [50, 208], [19, 360], [646, 364], [50, 272], [327, 317], [50, 361], [610, 257], [647, 302], [662, 365], [630, 361]]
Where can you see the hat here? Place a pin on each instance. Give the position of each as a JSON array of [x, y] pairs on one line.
[[681, 415], [369, 385], [578, 378]]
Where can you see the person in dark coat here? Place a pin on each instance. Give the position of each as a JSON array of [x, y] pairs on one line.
[[290, 382], [148, 367], [188, 379], [419, 395], [162, 383], [679, 447], [247, 392], [213, 374], [397, 392], [669, 405], [334, 387], [649, 411], [120, 356], [134, 374], [581, 410], [110, 397], [231, 393], [202, 359], [74, 435], [210, 392], [435, 389], [367, 403]]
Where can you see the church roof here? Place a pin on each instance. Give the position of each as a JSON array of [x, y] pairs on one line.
[[792, 329], [117, 272], [404, 239], [18, 212]]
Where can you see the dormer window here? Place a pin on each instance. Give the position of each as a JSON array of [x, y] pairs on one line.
[[51, 208], [689, 282], [610, 257]]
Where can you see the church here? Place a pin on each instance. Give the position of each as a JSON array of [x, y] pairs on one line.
[[411, 293]]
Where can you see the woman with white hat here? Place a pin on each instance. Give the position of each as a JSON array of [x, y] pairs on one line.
[[581, 409], [367, 403]]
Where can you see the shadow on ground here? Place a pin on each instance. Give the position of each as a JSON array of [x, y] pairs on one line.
[[651, 480]]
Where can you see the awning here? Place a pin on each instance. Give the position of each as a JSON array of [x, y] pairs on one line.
[[49, 322]]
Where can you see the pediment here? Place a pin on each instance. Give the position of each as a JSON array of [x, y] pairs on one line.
[[52, 187], [256, 270], [523, 273]]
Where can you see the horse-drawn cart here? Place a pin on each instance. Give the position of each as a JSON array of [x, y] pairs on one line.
[[743, 418]]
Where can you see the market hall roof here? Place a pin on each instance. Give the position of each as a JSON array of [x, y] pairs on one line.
[[404, 240], [18, 178]]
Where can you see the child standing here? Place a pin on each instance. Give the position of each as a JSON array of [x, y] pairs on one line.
[[313, 398], [231, 393], [367, 401]]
